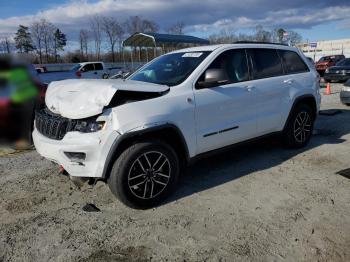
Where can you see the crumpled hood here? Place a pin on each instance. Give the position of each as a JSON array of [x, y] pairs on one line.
[[77, 99]]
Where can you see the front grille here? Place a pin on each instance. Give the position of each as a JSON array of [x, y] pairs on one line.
[[52, 125]]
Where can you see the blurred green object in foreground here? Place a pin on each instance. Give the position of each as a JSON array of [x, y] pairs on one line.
[[22, 85]]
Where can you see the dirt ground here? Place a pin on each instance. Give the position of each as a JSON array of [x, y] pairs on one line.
[[258, 203]]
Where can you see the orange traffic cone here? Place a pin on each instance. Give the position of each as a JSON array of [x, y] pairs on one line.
[[328, 89]]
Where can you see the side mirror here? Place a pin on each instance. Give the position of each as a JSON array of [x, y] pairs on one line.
[[126, 74], [213, 77]]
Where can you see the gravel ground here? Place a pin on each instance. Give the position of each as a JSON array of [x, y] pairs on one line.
[[258, 202]]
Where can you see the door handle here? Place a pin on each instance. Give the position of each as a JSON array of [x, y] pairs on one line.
[[288, 81], [249, 88], [95, 73]]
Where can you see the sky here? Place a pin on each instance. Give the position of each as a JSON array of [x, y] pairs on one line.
[[313, 19]]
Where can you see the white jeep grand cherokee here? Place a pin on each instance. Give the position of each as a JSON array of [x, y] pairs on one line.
[[137, 134]]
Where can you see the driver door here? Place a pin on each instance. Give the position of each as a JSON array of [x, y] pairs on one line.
[[226, 113], [87, 71]]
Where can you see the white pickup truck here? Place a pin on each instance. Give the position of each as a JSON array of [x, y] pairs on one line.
[[86, 70], [94, 70]]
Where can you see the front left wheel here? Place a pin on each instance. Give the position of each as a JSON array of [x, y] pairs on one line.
[[145, 174]]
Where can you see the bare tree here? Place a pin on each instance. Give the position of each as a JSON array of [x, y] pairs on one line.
[[37, 36], [96, 29], [6, 45], [149, 26], [136, 24], [113, 31], [83, 40], [224, 37], [133, 24], [177, 28], [48, 40], [294, 37], [48, 37], [261, 35]]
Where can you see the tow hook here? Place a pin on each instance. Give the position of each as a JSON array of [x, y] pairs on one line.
[[62, 171]]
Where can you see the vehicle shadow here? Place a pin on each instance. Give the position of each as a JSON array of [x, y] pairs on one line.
[[243, 160]]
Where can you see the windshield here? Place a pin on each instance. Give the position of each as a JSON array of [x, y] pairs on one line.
[[171, 69], [75, 68], [344, 62], [325, 59]]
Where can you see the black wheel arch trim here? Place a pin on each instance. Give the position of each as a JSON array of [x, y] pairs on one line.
[[296, 101], [114, 148]]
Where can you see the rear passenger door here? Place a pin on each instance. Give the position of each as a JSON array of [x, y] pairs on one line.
[[298, 77], [269, 88]]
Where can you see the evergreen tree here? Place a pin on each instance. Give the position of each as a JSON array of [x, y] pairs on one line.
[[23, 40], [60, 41], [280, 34]]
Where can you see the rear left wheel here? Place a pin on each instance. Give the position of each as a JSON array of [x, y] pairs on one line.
[[299, 127]]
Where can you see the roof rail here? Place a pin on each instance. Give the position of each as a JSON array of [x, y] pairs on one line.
[[256, 42]]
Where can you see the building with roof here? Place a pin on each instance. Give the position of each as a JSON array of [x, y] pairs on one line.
[[150, 45], [317, 49]]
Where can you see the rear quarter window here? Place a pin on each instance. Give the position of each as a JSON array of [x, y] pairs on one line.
[[98, 66], [292, 62]]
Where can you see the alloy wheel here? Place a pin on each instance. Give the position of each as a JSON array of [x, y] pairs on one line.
[[302, 127], [149, 175]]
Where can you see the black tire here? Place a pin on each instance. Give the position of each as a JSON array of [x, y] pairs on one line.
[[347, 104], [127, 174], [105, 76], [291, 135]]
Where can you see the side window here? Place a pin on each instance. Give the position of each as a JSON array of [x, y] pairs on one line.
[[98, 66], [234, 63], [266, 63], [293, 64], [88, 67]]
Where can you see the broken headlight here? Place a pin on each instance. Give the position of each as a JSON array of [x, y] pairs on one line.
[[89, 126]]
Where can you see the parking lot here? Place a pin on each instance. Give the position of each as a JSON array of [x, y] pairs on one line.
[[256, 202]]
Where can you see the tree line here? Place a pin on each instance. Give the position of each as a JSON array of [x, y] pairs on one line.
[[103, 36], [259, 34], [43, 39]]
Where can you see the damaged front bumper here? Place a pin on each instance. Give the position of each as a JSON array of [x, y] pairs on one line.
[[80, 154]]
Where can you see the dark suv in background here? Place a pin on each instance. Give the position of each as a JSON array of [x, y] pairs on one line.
[[326, 62], [340, 72]]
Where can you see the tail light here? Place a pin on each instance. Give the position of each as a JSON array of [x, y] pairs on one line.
[[4, 103], [42, 87], [78, 73]]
